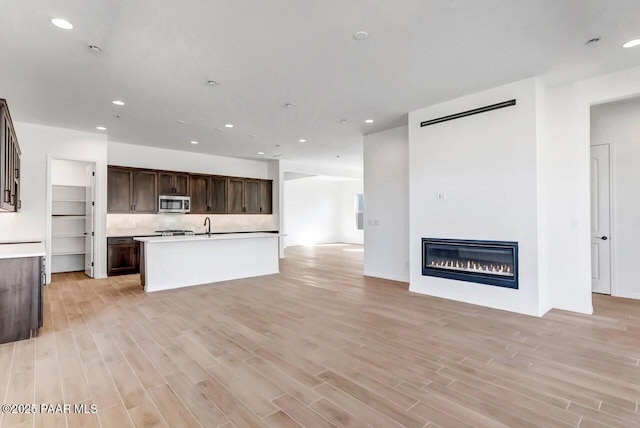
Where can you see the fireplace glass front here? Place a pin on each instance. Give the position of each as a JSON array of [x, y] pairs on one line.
[[484, 262]]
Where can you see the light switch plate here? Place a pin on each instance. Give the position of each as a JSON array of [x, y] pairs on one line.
[[441, 196]]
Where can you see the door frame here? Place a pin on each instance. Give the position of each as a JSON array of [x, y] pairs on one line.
[[49, 209], [612, 198]]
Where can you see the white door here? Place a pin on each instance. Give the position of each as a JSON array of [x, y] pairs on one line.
[[89, 229], [600, 220]]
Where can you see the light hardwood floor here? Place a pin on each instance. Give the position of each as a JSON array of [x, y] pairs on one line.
[[319, 345]]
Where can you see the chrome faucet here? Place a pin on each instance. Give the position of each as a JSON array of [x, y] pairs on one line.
[[208, 220]]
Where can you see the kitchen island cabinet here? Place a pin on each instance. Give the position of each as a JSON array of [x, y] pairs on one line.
[[169, 262]]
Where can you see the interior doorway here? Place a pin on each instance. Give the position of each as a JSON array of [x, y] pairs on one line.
[[73, 218]]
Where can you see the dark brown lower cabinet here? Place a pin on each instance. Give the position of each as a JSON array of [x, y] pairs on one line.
[[21, 283], [123, 256]]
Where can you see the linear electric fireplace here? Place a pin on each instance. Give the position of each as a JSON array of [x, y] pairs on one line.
[[484, 262]]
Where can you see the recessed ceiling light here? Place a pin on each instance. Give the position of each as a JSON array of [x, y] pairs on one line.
[[95, 48], [62, 23], [594, 40], [289, 105], [119, 117], [368, 121], [631, 43], [228, 125], [343, 121], [101, 128], [302, 140], [260, 153], [194, 142], [213, 83], [277, 145], [118, 102], [360, 35], [338, 156], [181, 122], [252, 135]]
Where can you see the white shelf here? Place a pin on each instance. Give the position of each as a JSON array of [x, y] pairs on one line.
[[70, 200], [69, 217], [69, 253], [69, 236]]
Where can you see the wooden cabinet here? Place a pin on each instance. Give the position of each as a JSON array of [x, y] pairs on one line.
[[218, 195], [9, 162], [266, 197], [119, 190], [199, 194], [132, 191], [145, 192], [208, 195], [123, 256], [173, 183], [235, 201], [21, 285], [251, 196]]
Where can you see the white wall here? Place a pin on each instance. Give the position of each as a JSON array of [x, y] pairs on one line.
[[39, 144], [316, 211], [567, 177], [486, 165], [386, 199], [618, 124], [68, 173], [174, 160]]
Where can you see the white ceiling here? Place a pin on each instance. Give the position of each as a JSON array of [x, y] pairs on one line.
[[158, 55]]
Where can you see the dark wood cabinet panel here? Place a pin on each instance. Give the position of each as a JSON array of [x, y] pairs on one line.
[[9, 162], [123, 256], [235, 201], [181, 184], [166, 183], [199, 194], [252, 196], [218, 204], [20, 298], [266, 197], [173, 183], [145, 192], [119, 190]]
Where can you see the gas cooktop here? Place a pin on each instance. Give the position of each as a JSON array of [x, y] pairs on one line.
[[175, 232]]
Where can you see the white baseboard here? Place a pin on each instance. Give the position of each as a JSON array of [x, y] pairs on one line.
[[627, 294], [391, 277]]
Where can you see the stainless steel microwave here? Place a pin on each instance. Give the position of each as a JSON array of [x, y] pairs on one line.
[[174, 204]]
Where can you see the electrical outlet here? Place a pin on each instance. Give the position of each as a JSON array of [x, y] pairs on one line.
[[441, 196]]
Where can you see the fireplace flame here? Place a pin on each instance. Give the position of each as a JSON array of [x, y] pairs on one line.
[[473, 266]]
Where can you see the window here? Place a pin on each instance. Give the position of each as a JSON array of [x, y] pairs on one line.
[[359, 209]]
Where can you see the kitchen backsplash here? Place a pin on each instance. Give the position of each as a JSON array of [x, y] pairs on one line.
[[144, 224]]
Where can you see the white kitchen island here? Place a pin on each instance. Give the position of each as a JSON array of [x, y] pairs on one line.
[[169, 262]]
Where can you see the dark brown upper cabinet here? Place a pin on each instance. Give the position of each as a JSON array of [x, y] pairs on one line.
[[145, 192], [119, 190], [9, 162], [173, 183], [266, 197], [136, 190], [208, 194], [235, 202], [132, 191], [251, 196], [199, 194], [218, 195]]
